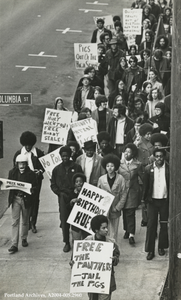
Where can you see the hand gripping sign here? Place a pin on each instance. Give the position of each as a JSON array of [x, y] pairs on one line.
[[92, 201], [91, 271], [8, 184]]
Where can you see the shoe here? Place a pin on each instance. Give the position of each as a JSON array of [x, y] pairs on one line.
[[24, 243], [143, 223], [131, 240], [66, 248], [13, 250], [34, 230], [161, 252], [150, 255], [126, 235]]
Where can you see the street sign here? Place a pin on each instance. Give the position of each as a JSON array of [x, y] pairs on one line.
[[15, 98]]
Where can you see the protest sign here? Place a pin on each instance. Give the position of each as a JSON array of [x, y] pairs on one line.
[[50, 161], [84, 130], [92, 201], [90, 104], [92, 266], [55, 126], [132, 21], [8, 184], [85, 55], [108, 21], [131, 40]]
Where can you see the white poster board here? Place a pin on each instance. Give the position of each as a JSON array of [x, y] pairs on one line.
[[108, 21], [85, 55], [55, 126], [132, 21], [92, 201], [84, 130], [91, 104], [8, 184], [50, 161], [91, 271]]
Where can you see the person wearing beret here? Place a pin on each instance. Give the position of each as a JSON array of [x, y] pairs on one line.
[[62, 186], [132, 170], [100, 30], [113, 183], [83, 92], [102, 114], [105, 148], [28, 141], [112, 60], [90, 163], [156, 197]]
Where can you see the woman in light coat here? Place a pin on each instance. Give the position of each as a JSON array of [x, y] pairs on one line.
[[114, 184], [131, 169]]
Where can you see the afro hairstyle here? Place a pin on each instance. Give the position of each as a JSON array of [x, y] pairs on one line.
[[110, 158], [28, 138], [97, 221]]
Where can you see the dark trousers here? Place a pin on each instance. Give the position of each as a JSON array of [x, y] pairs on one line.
[[129, 222], [155, 208], [64, 214], [35, 204]]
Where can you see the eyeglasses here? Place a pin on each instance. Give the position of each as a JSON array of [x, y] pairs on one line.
[[159, 156]]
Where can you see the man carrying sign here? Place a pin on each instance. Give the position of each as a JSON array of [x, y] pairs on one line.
[[21, 201]]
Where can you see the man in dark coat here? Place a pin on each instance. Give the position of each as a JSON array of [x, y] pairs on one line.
[[99, 30], [21, 201], [155, 195], [28, 141], [119, 126], [112, 60], [134, 76], [83, 92], [62, 186]]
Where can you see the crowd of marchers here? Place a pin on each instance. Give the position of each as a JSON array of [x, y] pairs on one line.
[[131, 87]]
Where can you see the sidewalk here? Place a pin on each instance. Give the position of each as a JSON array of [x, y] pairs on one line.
[[42, 269]]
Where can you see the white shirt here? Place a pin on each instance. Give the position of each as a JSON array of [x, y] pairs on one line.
[[88, 167], [159, 184], [120, 131], [28, 154], [99, 32]]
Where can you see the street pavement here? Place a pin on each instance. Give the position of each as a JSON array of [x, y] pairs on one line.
[[42, 269]]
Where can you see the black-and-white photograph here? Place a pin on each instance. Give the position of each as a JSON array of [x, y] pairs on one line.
[[90, 176]]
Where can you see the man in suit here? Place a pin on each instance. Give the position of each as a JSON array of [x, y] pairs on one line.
[[155, 194], [99, 30], [90, 163]]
